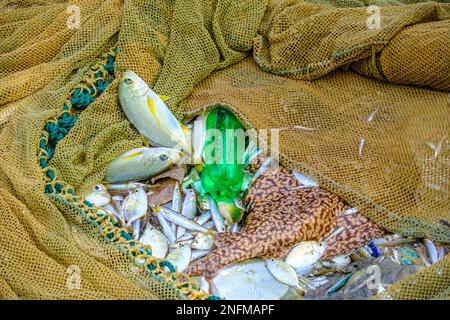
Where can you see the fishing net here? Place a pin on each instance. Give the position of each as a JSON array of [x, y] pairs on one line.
[[361, 108]]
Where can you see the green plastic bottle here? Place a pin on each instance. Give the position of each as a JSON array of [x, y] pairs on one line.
[[222, 177]]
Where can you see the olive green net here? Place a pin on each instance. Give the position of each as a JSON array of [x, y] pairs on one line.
[[363, 110]]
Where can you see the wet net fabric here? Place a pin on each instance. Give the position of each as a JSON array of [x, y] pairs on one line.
[[376, 99]]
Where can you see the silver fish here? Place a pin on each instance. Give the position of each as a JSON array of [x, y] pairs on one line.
[[350, 211], [304, 255], [252, 151], [264, 168], [186, 236], [202, 201], [284, 273], [136, 225], [249, 280], [176, 198], [141, 163], [209, 225], [118, 200], [150, 115], [172, 225], [203, 241], [99, 196], [217, 217], [306, 182], [180, 257], [166, 228], [431, 251], [125, 186], [135, 205], [156, 239], [203, 218], [189, 210], [180, 220]]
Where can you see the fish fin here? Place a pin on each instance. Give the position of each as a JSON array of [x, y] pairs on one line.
[[152, 108], [145, 141], [133, 155], [226, 239], [163, 98], [185, 129]]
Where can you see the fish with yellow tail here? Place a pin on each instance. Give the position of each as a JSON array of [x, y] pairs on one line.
[[141, 163], [150, 115]]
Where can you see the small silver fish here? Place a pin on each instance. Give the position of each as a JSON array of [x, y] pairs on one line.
[[156, 239], [136, 225], [304, 255], [209, 225], [135, 205], [217, 217], [203, 241], [125, 186], [186, 236], [180, 257], [306, 182], [179, 219], [203, 218], [183, 243], [248, 280], [431, 250], [350, 211], [284, 273], [166, 228], [150, 115], [118, 200], [99, 196], [265, 167], [189, 210], [176, 198], [202, 201], [141, 163]]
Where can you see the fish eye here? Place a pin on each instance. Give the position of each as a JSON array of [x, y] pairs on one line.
[[163, 157], [128, 81], [98, 187]]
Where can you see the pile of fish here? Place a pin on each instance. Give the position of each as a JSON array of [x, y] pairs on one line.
[[154, 194]]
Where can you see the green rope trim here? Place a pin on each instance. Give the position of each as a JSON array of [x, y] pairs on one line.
[[91, 87]]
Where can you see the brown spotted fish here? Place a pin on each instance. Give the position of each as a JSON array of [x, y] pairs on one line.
[[281, 215], [358, 232]]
